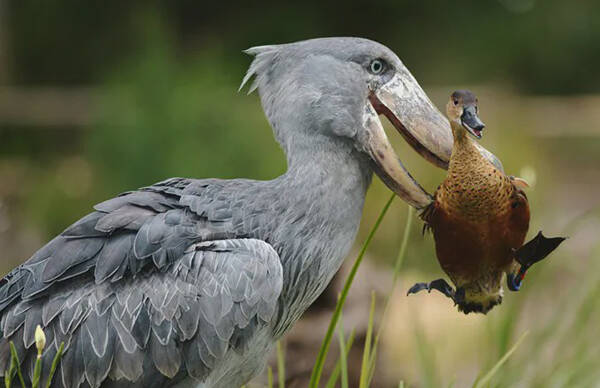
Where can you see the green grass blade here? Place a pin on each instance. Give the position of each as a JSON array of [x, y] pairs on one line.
[[343, 358], [337, 370], [452, 383], [365, 367], [427, 356], [37, 372], [318, 368], [10, 374], [15, 358], [397, 267], [280, 365], [488, 376], [269, 377], [55, 362], [403, 245]]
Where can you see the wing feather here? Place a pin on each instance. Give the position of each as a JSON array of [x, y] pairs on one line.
[[157, 279]]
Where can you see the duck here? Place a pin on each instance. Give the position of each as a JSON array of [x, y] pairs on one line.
[[479, 218]]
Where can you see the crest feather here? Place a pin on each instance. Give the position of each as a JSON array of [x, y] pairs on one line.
[[263, 56]]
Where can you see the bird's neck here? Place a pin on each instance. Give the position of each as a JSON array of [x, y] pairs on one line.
[[326, 184], [473, 187], [322, 196], [463, 147]]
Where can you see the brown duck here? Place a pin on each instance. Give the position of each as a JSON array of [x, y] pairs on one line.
[[479, 218]]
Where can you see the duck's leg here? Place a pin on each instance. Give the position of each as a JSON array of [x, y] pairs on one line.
[[439, 284], [530, 253]]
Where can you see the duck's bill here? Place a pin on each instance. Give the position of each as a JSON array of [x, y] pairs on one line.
[[471, 122], [402, 101], [472, 131]]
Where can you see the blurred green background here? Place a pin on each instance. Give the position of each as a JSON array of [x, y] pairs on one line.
[[101, 97]]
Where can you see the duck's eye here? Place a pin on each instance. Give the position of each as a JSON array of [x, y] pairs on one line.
[[376, 66], [455, 102]]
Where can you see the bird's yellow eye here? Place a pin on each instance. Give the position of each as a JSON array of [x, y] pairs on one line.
[[376, 66]]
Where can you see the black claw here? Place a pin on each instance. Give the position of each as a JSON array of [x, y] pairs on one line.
[[439, 284], [537, 249], [442, 286], [417, 287]]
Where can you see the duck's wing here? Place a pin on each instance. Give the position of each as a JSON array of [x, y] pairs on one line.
[[518, 220], [123, 236], [153, 281]]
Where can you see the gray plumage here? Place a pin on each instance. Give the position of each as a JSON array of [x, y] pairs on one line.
[[189, 282]]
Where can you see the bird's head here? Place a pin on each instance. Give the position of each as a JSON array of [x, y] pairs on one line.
[[462, 110], [336, 88]]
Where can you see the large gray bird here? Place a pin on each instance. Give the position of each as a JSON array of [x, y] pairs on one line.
[[190, 282]]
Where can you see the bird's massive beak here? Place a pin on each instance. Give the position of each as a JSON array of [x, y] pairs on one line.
[[421, 124], [388, 167]]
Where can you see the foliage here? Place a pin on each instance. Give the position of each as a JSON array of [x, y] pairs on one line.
[[15, 364], [318, 369], [538, 46]]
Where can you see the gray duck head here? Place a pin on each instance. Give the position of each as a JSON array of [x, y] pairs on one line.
[[335, 89]]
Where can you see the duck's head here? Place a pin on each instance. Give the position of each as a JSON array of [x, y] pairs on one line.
[[329, 92], [462, 110]]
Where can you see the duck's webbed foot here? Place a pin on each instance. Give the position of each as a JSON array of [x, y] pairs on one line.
[[439, 284], [530, 253]]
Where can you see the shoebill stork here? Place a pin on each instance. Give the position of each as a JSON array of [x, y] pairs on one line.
[[189, 282]]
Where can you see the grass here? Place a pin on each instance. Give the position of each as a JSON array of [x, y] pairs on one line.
[[485, 380], [318, 369], [365, 375], [370, 345], [341, 366], [280, 364], [343, 357], [15, 366]]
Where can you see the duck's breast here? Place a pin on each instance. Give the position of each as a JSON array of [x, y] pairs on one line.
[[466, 246]]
